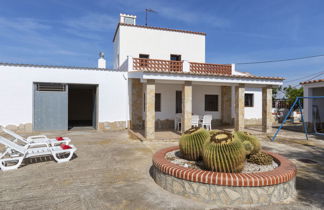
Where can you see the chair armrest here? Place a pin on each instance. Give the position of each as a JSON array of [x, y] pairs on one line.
[[36, 137]]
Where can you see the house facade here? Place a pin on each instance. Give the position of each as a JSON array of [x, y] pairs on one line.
[[158, 74], [313, 103]]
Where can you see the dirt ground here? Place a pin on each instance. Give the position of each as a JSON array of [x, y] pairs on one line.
[[111, 171]]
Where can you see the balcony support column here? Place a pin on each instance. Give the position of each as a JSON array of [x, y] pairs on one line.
[[239, 108], [150, 109], [186, 106], [267, 109]]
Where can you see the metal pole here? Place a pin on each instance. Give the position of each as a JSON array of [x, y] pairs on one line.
[[283, 122], [302, 118]]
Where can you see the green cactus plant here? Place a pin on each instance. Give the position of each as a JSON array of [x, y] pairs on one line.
[[260, 158], [223, 153], [248, 146], [245, 136], [191, 143]]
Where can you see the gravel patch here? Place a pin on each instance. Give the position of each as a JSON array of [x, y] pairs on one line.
[[176, 158]]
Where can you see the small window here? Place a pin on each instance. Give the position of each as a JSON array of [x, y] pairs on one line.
[[147, 56], [175, 57], [158, 102], [144, 62], [248, 100], [178, 102], [211, 103]]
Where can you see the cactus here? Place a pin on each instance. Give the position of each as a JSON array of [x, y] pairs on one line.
[[248, 146], [260, 158], [223, 153], [245, 136], [191, 143]]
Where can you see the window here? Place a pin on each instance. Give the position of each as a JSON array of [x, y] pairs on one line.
[[211, 103], [144, 62], [248, 100], [147, 56], [175, 57], [178, 102], [157, 102]]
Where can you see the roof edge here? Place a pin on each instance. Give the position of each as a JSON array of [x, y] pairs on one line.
[[55, 66], [312, 81], [157, 28]]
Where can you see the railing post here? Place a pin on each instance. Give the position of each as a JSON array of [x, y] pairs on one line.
[[130, 63], [185, 66]]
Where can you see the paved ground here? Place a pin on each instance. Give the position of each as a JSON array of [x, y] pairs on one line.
[[111, 171]]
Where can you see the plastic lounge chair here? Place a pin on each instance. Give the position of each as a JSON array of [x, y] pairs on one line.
[[37, 140], [195, 120], [13, 156], [206, 122]]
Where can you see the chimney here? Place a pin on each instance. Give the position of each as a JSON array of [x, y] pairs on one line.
[[101, 61], [127, 19]]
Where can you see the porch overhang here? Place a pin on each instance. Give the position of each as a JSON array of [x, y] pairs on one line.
[[216, 79]]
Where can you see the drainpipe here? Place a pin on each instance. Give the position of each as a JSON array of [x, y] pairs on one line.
[[127, 101]]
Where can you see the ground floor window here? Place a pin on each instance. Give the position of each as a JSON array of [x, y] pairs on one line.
[[178, 102], [248, 99], [157, 102], [211, 103]]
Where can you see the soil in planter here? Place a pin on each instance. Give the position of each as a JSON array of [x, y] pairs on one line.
[[176, 158]]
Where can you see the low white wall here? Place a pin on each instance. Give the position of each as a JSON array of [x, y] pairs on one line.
[[16, 85]]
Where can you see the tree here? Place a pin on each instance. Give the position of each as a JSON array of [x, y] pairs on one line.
[[291, 93], [275, 92]]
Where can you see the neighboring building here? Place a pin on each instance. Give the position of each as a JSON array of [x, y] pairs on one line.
[[158, 73], [313, 107]]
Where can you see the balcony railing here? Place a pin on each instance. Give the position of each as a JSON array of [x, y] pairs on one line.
[[144, 64], [223, 69]]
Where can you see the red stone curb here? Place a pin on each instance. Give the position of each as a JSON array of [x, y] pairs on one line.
[[283, 173]]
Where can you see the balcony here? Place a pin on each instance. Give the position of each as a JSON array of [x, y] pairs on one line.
[[156, 65]]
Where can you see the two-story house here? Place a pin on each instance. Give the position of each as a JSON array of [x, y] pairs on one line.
[[159, 75]]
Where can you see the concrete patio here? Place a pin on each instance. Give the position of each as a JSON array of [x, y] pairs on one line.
[[111, 171]]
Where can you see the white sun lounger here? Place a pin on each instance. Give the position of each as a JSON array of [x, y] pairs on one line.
[[13, 156], [36, 140]]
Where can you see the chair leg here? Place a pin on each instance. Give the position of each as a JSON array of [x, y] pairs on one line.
[[62, 160], [3, 166]]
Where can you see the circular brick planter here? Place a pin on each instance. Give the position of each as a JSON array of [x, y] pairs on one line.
[[226, 189]]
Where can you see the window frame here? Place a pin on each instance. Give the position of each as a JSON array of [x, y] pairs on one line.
[[178, 56], [252, 99], [207, 107], [160, 102]]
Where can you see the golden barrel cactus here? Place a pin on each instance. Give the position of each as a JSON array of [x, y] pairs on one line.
[[223, 153], [191, 143], [245, 136]]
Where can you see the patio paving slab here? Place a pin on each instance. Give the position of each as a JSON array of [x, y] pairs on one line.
[[111, 171]]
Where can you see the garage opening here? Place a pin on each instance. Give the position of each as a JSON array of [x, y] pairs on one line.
[[82, 106]]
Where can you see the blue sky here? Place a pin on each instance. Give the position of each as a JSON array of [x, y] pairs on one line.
[[58, 32]]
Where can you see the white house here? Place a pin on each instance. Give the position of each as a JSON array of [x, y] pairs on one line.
[[158, 74], [313, 104]]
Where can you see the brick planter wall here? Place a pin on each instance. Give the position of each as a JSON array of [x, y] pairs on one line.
[[226, 189]]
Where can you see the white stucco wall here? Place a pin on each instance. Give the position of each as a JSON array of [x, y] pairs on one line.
[[254, 112], [159, 44], [16, 85], [313, 89]]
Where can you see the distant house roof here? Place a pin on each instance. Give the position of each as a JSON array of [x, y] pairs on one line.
[[312, 81], [157, 28]]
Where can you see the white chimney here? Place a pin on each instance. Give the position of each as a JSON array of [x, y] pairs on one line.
[[127, 19], [101, 61]]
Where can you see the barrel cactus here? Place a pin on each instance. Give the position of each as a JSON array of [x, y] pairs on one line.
[[191, 143], [245, 136], [223, 153], [260, 158], [248, 147]]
